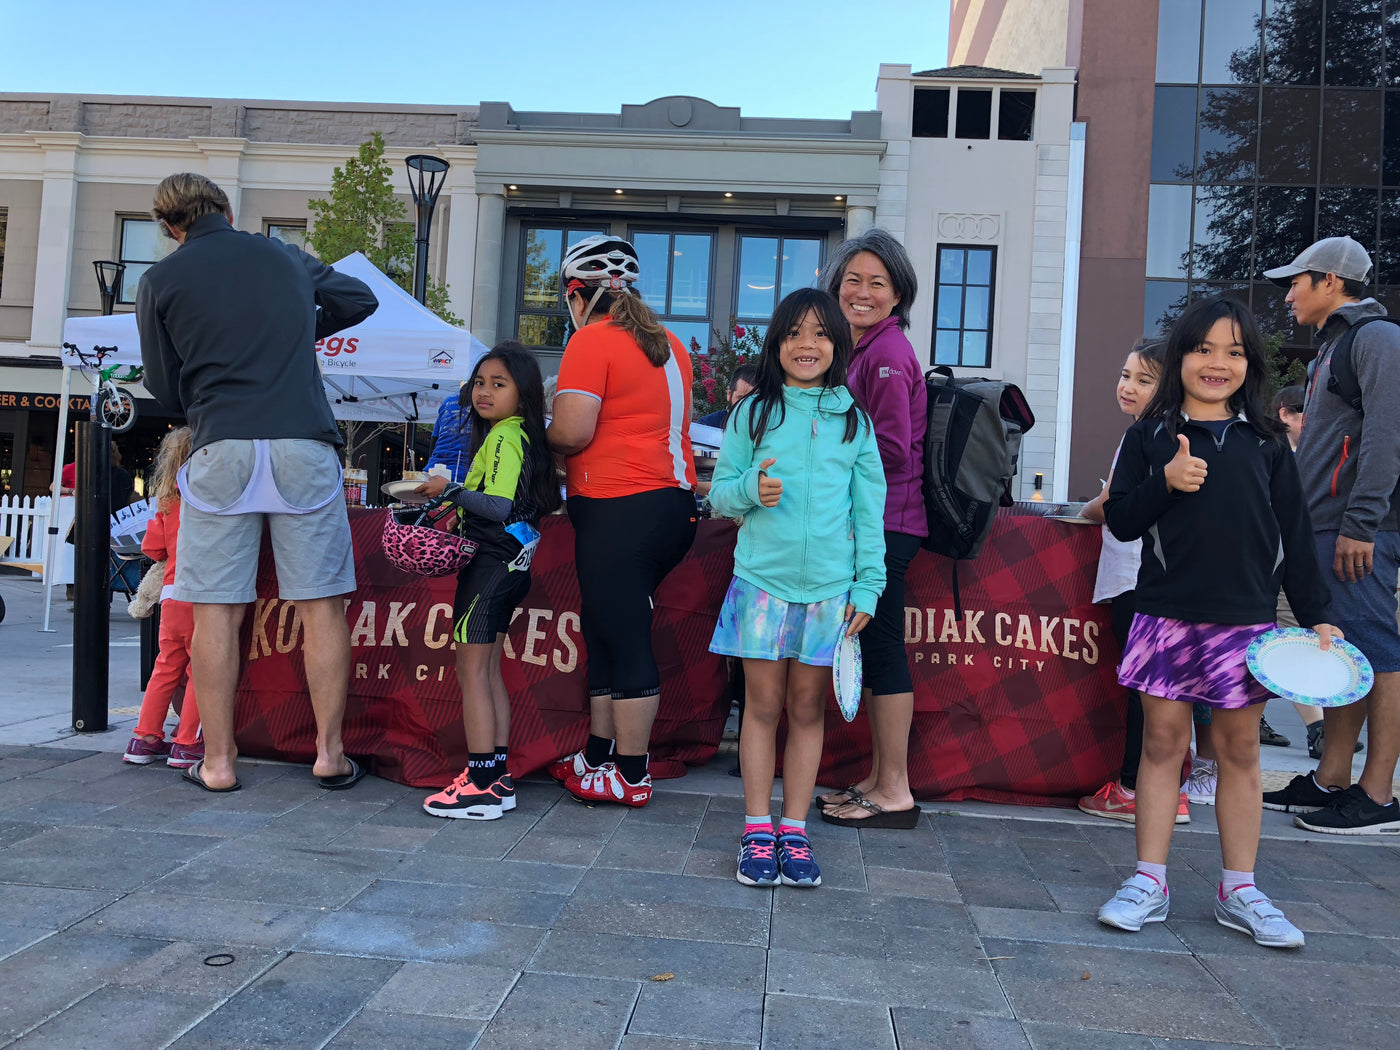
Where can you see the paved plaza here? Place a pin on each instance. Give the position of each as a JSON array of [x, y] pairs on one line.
[[354, 920]]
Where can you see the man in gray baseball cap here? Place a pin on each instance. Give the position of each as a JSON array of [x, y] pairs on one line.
[[1340, 256], [1349, 463]]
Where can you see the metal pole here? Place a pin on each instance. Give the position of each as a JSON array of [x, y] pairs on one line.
[[92, 556], [52, 541], [420, 251]]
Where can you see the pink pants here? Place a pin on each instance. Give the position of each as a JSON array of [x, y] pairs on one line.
[[172, 668]]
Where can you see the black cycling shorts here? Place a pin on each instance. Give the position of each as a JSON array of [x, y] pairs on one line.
[[623, 549]]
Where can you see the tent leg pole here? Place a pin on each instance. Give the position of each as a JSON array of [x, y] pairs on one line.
[[51, 537]]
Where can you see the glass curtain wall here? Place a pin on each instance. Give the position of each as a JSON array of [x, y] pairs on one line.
[[1276, 122]]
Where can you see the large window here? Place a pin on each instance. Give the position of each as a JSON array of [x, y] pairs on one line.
[[962, 306], [541, 318], [1285, 129], [289, 232], [143, 245], [769, 268], [675, 281]]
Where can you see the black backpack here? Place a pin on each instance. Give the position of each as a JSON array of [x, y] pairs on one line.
[[1342, 381], [971, 446]]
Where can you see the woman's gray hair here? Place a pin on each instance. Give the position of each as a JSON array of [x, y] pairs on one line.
[[881, 244]]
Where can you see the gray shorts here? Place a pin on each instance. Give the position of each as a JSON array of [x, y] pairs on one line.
[[1366, 610], [217, 554]]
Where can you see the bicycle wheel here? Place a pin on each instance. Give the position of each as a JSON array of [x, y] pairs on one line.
[[117, 409]]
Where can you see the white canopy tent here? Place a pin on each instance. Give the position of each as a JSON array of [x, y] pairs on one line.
[[399, 365]]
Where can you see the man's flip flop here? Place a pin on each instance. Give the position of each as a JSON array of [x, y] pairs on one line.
[[341, 781], [195, 775], [898, 819]]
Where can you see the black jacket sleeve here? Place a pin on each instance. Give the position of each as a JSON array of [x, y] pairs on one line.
[[343, 301], [482, 504], [1139, 493], [158, 354], [1303, 582]]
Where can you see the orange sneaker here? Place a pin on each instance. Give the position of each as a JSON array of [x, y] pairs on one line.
[[1110, 801]]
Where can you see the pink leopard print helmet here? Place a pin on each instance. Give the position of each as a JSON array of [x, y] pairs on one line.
[[417, 540]]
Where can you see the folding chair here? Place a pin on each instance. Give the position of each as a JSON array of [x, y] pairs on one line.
[[126, 566]]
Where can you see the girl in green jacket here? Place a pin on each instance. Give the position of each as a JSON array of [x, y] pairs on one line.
[[800, 467]]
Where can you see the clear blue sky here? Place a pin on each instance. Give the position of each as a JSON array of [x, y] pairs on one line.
[[771, 57]]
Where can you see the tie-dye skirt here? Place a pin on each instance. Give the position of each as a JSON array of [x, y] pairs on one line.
[[756, 625], [1202, 663]]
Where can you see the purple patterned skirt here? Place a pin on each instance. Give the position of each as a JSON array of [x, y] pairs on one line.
[[1202, 663]]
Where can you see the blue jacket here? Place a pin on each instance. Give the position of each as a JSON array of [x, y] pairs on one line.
[[448, 437], [826, 535]]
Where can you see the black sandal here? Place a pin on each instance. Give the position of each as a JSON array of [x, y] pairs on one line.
[[849, 795]]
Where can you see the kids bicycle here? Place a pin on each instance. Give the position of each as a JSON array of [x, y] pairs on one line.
[[112, 406]]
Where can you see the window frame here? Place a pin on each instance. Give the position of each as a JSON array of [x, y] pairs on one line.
[[4, 230], [128, 295], [991, 286], [668, 318], [268, 225], [564, 227], [783, 236]]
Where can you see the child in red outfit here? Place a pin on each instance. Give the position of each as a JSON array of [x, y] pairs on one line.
[[148, 743]]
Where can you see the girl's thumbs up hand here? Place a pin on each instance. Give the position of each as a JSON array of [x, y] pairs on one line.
[[770, 490], [1185, 473]]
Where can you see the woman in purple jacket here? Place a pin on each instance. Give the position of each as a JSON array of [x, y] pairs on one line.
[[872, 278]]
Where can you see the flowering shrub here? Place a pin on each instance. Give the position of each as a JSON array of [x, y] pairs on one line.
[[740, 345]]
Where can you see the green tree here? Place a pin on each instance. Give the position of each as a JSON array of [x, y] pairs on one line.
[[361, 214]]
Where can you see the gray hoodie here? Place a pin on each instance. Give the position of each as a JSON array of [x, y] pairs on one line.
[[1350, 463]]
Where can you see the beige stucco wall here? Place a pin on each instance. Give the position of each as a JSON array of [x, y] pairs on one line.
[[1022, 35], [20, 198]]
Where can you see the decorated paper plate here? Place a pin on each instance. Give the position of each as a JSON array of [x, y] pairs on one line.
[[402, 491], [1289, 663], [846, 674]]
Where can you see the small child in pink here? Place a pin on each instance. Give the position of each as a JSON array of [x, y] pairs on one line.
[[148, 743]]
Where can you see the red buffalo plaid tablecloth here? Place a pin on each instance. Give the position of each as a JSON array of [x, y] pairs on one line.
[[1015, 702]]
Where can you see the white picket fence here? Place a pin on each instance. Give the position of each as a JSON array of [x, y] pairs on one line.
[[24, 519]]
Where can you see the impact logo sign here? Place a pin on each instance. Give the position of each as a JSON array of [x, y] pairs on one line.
[[337, 351], [440, 359]]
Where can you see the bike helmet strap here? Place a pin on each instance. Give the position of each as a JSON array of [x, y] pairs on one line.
[[600, 262]]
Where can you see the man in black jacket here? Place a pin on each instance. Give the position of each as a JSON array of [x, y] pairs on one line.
[[228, 326], [1349, 463]]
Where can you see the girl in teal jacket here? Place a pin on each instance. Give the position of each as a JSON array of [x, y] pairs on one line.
[[800, 467]]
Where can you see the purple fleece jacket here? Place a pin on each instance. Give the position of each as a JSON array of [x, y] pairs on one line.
[[885, 376]]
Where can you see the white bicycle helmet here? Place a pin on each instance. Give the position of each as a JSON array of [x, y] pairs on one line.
[[600, 262]]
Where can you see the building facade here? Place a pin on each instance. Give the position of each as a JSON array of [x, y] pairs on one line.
[[970, 168], [1222, 137]]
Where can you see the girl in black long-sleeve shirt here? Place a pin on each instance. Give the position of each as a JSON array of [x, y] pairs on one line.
[[1207, 481]]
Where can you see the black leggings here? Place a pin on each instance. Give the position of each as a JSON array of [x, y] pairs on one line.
[[623, 549], [882, 642], [1124, 605]]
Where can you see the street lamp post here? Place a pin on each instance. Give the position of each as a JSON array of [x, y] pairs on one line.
[[426, 175], [93, 544]]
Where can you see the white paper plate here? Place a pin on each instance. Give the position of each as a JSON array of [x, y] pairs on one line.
[[1289, 663], [403, 492], [847, 674]]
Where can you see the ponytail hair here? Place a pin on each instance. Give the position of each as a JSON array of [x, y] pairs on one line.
[[626, 310]]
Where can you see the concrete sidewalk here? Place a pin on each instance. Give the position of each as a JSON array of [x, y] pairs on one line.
[[354, 920]]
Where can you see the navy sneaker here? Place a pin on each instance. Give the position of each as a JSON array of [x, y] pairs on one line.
[[795, 864], [758, 859]]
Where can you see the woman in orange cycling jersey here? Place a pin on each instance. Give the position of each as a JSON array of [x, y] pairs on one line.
[[622, 423]]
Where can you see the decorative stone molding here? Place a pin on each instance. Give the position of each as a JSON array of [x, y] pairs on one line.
[[964, 226]]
